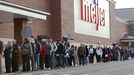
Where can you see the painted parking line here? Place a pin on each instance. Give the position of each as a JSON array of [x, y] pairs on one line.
[[8, 74], [44, 74], [85, 74], [65, 74], [128, 74], [34, 74], [106, 74]]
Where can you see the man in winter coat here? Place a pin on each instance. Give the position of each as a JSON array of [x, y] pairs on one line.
[[81, 54]]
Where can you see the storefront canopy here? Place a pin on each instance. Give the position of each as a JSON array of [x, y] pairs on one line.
[[10, 11], [127, 38]]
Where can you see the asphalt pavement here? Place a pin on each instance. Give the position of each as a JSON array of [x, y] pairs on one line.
[[109, 68]]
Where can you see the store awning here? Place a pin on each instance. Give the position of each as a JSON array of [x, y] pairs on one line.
[[17, 11], [127, 38]]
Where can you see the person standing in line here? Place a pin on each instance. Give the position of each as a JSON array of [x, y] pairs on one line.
[[32, 53], [42, 54], [66, 58], [105, 54], [71, 54], [129, 52], [25, 51], [15, 57], [52, 53], [76, 55], [47, 56], [109, 54], [116, 53], [37, 55], [98, 54], [132, 53], [113, 53], [1, 50], [81, 54], [91, 54], [8, 57], [121, 53], [125, 54], [86, 56], [60, 53], [57, 55]]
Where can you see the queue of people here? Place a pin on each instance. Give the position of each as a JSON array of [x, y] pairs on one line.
[[46, 54]]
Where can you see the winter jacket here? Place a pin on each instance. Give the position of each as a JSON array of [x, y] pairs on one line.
[[81, 51], [43, 50]]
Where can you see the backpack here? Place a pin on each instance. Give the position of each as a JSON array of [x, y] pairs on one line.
[[15, 49], [25, 49], [71, 52]]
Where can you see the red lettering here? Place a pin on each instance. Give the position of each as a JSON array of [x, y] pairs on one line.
[[88, 13], [103, 18], [85, 11], [82, 9], [97, 19], [92, 13]]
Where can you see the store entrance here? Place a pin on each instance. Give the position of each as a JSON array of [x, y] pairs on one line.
[[14, 17]]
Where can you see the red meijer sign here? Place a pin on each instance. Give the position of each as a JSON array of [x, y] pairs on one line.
[[91, 12]]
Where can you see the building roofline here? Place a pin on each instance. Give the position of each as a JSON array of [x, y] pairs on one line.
[[121, 20], [112, 1], [24, 8]]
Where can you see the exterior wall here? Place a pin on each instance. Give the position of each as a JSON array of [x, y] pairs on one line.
[[116, 28], [43, 5], [50, 27], [61, 22], [67, 17], [7, 30], [39, 27], [56, 19]]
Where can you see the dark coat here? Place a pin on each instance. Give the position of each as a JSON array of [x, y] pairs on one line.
[[48, 48], [1, 47], [81, 51], [7, 51], [61, 49]]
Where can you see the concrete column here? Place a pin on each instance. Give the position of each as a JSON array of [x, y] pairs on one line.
[[18, 25]]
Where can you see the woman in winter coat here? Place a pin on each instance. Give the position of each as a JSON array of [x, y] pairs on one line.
[[8, 59], [25, 52], [99, 54], [15, 57]]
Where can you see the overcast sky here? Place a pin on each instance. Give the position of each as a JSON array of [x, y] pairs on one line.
[[124, 3]]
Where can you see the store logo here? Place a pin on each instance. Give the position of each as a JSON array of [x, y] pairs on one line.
[[91, 12]]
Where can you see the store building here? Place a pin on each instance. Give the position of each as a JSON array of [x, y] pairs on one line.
[[86, 21], [127, 15]]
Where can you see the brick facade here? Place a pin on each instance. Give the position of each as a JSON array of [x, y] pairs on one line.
[[43, 5], [7, 30], [61, 22], [117, 28]]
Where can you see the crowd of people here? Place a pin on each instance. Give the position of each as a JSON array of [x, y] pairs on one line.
[[46, 54]]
